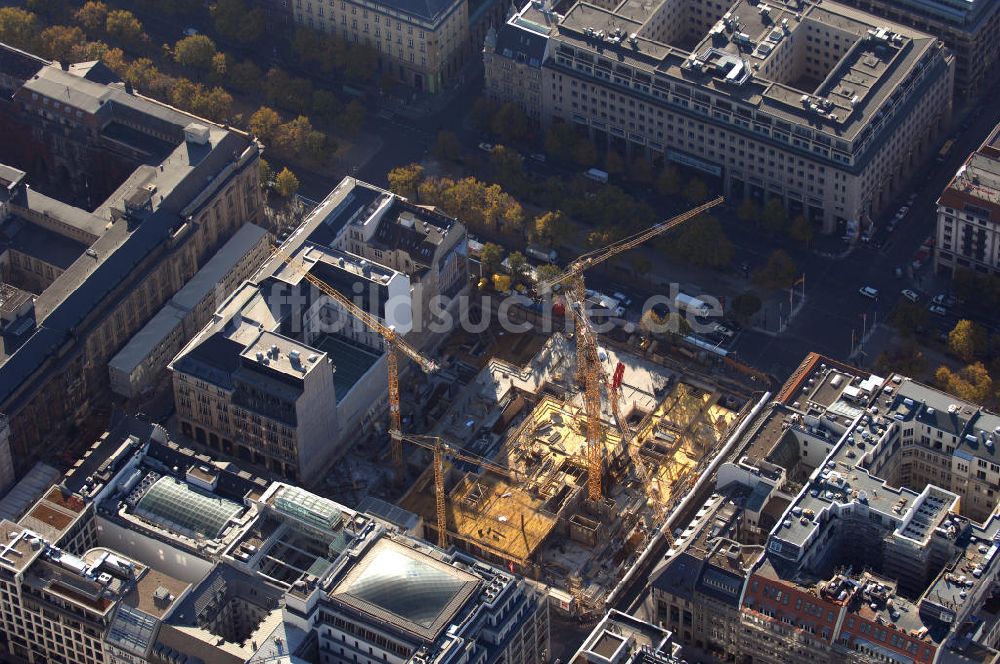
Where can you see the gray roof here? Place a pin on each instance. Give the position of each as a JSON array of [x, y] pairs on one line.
[[47, 246], [521, 44], [428, 10]]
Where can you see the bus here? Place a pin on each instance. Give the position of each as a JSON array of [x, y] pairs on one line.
[[946, 149]]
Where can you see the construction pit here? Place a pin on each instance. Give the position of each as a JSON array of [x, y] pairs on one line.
[[531, 511]]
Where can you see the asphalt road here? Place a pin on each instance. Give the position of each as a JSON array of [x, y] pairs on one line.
[[834, 308]]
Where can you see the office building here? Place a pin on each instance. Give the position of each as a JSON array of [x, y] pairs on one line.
[[128, 199], [141, 362], [826, 108], [968, 214], [971, 29], [624, 639], [421, 44]]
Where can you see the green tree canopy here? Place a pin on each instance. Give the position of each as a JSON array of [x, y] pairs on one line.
[[696, 191], [748, 210], [801, 230], [490, 257], [196, 51], [702, 241], [447, 146], [779, 272], [235, 21], [745, 306], [669, 181], [773, 217]]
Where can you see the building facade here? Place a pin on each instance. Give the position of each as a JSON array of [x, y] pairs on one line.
[[160, 190], [968, 213], [826, 108], [421, 44], [970, 29]]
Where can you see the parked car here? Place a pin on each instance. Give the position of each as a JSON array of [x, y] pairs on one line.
[[868, 291], [487, 147], [190, 32], [937, 309], [911, 295], [911, 199], [943, 300], [538, 156], [624, 299]]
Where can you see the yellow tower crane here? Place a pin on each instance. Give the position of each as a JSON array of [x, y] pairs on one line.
[[440, 448], [394, 345], [588, 364]]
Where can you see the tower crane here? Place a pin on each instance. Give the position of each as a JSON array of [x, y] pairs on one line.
[[588, 364], [440, 448], [394, 345]]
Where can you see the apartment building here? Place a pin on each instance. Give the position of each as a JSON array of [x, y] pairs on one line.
[[970, 29], [421, 44], [625, 639], [128, 198], [695, 590], [142, 361], [968, 211], [821, 106], [513, 57]]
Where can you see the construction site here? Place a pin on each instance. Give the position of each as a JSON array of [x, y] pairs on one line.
[[547, 453]]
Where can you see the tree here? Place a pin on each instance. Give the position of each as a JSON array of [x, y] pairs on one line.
[[801, 230], [546, 272], [265, 172], [585, 154], [703, 242], [490, 257], [235, 21], [696, 191], [19, 28], [967, 340], [264, 123], [774, 217], [561, 140], [907, 358], [907, 317], [92, 16], [669, 182], [748, 211], [123, 26], [244, 76], [60, 42], [143, 75], [779, 272], [326, 106], [353, 117], [972, 383], [613, 163], [550, 227], [745, 305], [404, 180], [286, 183], [640, 170], [507, 162], [518, 266], [509, 122], [447, 146], [220, 67], [482, 113], [196, 51]]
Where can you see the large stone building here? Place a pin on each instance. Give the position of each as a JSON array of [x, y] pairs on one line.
[[282, 377], [970, 28], [150, 553], [876, 501], [968, 214], [822, 106], [422, 44], [128, 198]]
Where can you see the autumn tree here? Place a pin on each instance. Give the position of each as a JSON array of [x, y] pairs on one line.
[[61, 42], [122, 26], [972, 383], [550, 227], [244, 76], [547, 272], [325, 106], [773, 217], [518, 266], [561, 140], [801, 230], [404, 180], [613, 163], [353, 117], [197, 51], [745, 306], [905, 358], [509, 122], [907, 317], [640, 170], [779, 272], [265, 172], [967, 340], [19, 28], [702, 241], [507, 162], [299, 137], [447, 146], [482, 113], [669, 181], [93, 16], [286, 184], [237, 22], [264, 123], [490, 257], [585, 154], [696, 191], [748, 210]]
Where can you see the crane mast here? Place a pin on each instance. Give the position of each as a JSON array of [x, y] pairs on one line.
[[394, 345]]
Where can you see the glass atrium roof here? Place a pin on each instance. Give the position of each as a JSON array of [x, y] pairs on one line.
[[314, 510], [185, 510]]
